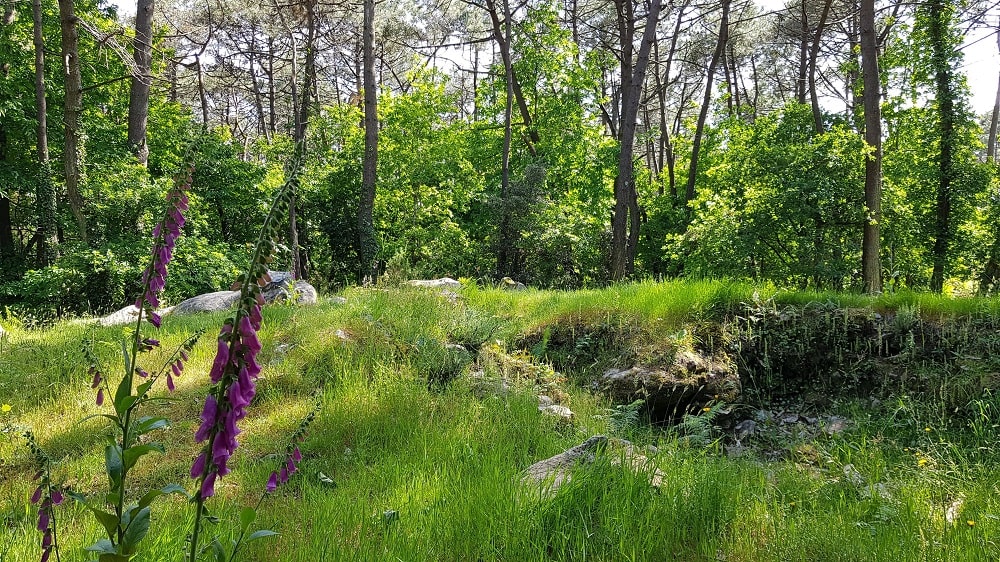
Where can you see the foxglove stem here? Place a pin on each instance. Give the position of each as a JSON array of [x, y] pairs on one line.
[[235, 369]]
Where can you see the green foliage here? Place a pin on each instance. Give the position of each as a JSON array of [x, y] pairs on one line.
[[765, 212]]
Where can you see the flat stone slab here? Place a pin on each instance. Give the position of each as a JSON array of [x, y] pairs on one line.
[[555, 471], [442, 283]]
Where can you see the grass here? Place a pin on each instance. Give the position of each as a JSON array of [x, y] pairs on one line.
[[398, 469]]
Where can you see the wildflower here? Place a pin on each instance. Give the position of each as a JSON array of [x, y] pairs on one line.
[[706, 409], [927, 430], [165, 235], [6, 408], [970, 523], [922, 462]]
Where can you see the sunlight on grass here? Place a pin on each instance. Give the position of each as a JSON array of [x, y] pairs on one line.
[[395, 468]]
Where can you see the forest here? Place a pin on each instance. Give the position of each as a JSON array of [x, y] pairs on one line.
[[820, 144]]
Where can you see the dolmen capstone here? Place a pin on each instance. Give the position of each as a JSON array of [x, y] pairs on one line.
[[282, 287]]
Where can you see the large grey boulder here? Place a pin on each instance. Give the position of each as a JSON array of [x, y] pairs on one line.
[[686, 385], [553, 472], [282, 287], [209, 302], [442, 283], [128, 315]]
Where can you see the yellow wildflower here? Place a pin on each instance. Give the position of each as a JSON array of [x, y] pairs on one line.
[[706, 409], [927, 429], [922, 462], [6, 408], [970, 523]]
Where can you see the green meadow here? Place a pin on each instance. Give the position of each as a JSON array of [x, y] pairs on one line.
[[418, 449]]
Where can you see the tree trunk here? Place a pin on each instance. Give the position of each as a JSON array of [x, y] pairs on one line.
[[703, 114], [522, 104], [813, 55], [625, 220], [138, 97], [945, 95], [505, 238], [871, 265], [45, 192], [800, 84], [991, 145], [301, 128], [72, 165], [367, 247]]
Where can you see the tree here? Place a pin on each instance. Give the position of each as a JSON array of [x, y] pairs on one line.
[[45, 192], [625, 218], [871, 266], [720, 46], [942, 65], [138, 105], [72, 107], [367, 247]]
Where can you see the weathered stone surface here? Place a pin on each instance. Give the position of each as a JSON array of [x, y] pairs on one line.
[[555, 471], [281, 287], [509, 284], [128, 315], [209, 302], [557, 411], [442, 283], [685, 386]]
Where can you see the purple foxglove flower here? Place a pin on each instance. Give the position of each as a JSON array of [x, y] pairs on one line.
[[43, 519], [248, 335], [283, 475], [100, 397], [176, 368], [296, 455], [97, 379], [155, 319], [272, 482], [198, 468], [170, 382], [37, 495], [220, 448], [255, 317], [221, 358], [184, 355], [141, 372], [208, 418], [47, 539], [45, 555], [291, 466], [235, 395], [208, 486]]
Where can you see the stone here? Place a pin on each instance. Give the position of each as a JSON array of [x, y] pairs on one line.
[[208, 302], [553, 472], [557, 411], [744, 428], [687, 385], [281, 287], [442, 283], [544, 401], [508, 284], [128, 315]]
